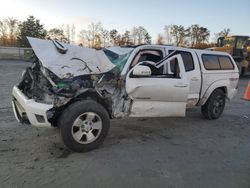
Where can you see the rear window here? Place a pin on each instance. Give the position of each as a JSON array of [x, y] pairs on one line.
[[225, 63], [217, 62]]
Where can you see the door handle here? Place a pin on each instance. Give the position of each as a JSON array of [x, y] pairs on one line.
[[194, 79], [180, 85]]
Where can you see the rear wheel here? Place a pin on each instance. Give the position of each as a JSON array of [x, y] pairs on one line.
[[214, 106], [84, 125]]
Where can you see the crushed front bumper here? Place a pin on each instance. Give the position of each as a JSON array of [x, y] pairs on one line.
[[29, 109]]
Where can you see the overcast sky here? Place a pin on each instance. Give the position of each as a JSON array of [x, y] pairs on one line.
[[123, 15]]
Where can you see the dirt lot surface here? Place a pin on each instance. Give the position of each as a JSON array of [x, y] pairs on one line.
[[149, 152]]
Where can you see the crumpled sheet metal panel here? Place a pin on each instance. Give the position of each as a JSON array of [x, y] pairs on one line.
[[75, 62]]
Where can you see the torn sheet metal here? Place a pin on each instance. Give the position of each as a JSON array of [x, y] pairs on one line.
[[75, 61]]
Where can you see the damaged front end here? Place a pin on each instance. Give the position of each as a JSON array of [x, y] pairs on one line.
[[62, 74], [41, 87]]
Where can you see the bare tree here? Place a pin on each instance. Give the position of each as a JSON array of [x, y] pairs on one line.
[[194, 34], [160, 39], [92, 37], [13, 28], [105, 36], [204, 34], [167, 30], [67, 33], [57, 34], [140, 35], [134, 32], [85, 39], [94, 34], [225, 32], [126, 38], [147, 38], [179, 33], [114, 36], [72, 33], [198, 35], [3, 32]]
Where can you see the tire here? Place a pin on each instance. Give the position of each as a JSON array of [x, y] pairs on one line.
[[84, 125], [214, 106]]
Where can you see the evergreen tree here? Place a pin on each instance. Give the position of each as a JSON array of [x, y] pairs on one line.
[[30, 28]]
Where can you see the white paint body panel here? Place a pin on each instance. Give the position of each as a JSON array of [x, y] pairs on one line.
[[64, 65], [157, 89], [147, 108], [154, 97], [30, 107], [213, 79], [194, 76]]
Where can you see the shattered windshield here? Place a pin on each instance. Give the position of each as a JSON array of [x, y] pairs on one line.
[[118, 60]]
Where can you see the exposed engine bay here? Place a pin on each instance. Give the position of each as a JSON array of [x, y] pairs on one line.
[[45, 85]]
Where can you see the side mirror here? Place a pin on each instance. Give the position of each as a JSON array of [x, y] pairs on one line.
[[141, 71]]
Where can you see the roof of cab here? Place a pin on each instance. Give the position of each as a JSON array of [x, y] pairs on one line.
[[171, 47], [198, 51]]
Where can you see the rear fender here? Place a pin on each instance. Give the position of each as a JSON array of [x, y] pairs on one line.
[[220, 84]]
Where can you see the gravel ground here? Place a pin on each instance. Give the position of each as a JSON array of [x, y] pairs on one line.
[[139, 152]]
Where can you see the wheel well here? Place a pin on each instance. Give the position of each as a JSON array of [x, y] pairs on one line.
[[105, 102], [224, 89], [205, 98]]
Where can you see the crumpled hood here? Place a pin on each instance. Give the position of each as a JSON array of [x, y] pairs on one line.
[[75, 61]]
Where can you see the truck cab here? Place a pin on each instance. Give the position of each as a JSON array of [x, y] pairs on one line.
[[184, 79]]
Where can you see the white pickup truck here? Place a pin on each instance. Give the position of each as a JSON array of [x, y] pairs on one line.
[[79, 89]]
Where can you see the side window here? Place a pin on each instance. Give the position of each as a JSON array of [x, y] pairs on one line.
[[211, 62], [175, 69], [225, 63], [150, 57], [147, 55], [168, 69], [217, 62], [187, 59]]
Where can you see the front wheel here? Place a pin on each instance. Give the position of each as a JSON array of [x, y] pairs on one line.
[[215, 105], [84, 125]]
